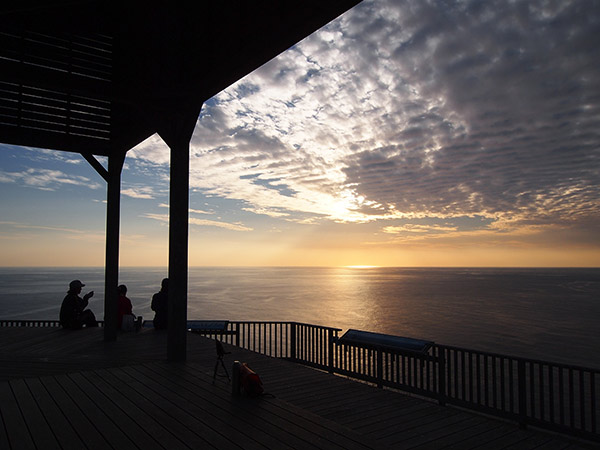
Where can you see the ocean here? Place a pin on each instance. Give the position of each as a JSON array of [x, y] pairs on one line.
[[547, 314]]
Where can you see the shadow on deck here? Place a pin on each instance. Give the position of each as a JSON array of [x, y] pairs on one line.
[[65, 389]]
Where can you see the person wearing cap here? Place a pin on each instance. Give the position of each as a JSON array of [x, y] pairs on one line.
[[73, 314]]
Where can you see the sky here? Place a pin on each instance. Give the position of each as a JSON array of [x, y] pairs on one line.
[[403, 133]]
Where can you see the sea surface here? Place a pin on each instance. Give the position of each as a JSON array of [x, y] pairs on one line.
[[547, 314]]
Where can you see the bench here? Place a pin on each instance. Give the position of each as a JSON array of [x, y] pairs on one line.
[[368, 339]]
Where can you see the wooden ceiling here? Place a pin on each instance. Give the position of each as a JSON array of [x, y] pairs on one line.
[[98, 77]]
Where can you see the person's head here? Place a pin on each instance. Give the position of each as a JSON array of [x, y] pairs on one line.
[[122, 289], [164, 285], [75, 286]]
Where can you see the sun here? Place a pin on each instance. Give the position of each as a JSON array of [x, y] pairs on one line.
[[361, 267]]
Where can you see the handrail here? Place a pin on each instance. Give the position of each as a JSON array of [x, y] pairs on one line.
[[558, 397], [555, 396], [34, 323]]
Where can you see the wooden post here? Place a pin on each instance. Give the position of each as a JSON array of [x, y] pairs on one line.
[[176, 130], [178, 249], [441, 360], [522, 386], [379, 351], [293, 341], [330, 350], [111, 270]]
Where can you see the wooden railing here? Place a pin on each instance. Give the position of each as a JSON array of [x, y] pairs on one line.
[[35, 323], [555, 396], [559, 397]]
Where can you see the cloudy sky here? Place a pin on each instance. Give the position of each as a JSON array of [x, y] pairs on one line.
[[404, 133]]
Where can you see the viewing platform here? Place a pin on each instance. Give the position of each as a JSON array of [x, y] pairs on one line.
[[70, 389]]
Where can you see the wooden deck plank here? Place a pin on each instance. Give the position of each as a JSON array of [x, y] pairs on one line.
[[16, 428], [310, 429], [104, 425], [120, 396], [78, 421], [61, 428], [390, 414], [439, 436], [160, 426], [220, 412], [412, 429], [374, 409], [175, 419], [43, 436], [108, 407], [218, 433], [512, 437], [459, 438]]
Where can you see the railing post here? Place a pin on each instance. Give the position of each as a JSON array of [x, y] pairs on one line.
[[330, 350], [379, 367], [293, 341], [441, 357], [522, 386], [237, 334]]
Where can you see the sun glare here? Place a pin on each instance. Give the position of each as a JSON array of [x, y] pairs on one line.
[[360, 267]]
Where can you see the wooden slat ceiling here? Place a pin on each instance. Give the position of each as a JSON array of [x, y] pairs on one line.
[[99, 77]]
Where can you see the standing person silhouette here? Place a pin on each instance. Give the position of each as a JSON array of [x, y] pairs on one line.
[[73, 314], [160, 305]]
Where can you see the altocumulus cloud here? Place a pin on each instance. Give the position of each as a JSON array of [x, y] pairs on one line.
[[46, 179], [406, 110]]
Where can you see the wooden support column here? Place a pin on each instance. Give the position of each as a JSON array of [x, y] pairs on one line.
[[176, 130], [111, 274], [178, 250]]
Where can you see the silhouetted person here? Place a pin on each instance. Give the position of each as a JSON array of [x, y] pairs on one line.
[[73, 314], [124, 308], [160, 305]]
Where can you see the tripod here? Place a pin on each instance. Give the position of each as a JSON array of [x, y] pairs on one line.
[[220, 353]]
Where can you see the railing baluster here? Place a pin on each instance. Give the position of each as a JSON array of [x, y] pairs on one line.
[[571, 399], [561, 395], [582, 400], [532, 388], [551, 411], [462, 375], [502, 384], [541, 391], [593, 400]]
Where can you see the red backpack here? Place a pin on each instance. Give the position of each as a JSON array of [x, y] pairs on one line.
[[250, 381]]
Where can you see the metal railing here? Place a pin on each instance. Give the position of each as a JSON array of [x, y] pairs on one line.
[[558, 397]]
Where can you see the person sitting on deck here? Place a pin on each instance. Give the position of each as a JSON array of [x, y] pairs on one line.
[[124, 310], [73, 314], [160, 306]]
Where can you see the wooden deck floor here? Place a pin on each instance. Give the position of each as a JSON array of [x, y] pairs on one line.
[[62, 389]]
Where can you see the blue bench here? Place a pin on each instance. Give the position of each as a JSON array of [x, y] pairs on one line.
[[369, 339]]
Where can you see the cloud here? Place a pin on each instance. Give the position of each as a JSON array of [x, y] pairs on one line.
[[412, 228], [202, 222], [214, 223], [412, 110], [46, 179], [143, 192], [191, 211], [199, 211]]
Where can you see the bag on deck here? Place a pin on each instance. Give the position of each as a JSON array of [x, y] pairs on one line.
[[128, 323], [250, 381]]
